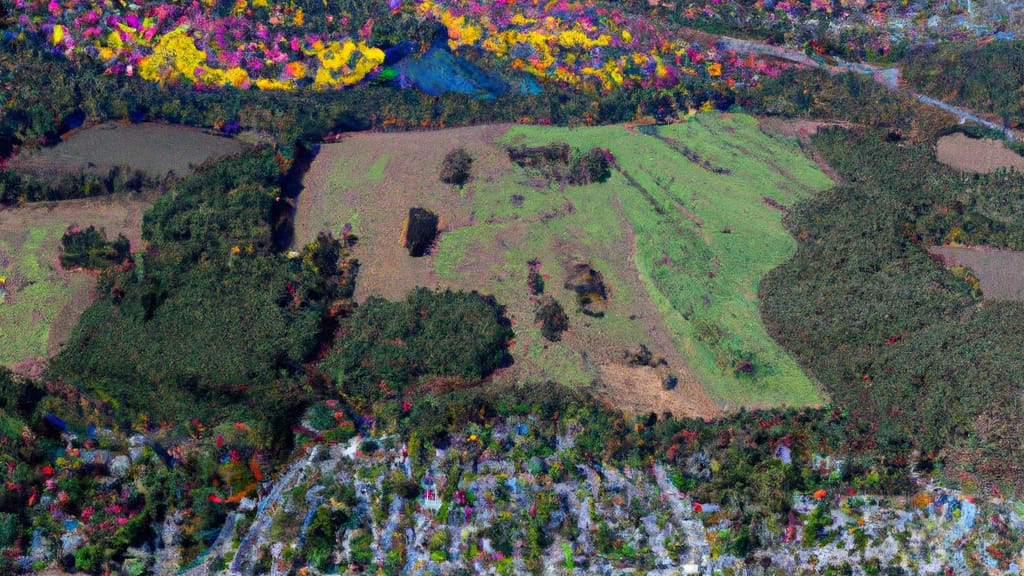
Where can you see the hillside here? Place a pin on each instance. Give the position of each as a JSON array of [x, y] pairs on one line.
[[729, 287], [716, 185]]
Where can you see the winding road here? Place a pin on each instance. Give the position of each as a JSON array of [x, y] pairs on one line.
[[888, 77]]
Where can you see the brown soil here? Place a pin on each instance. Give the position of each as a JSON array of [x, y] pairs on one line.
[[638, 389], [795, 127], [150, 147], [803, 130], [689, 397], [976, 154], [412, 179], [1001, 272], [120, 214]]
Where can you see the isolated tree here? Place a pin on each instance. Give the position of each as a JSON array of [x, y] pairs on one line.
[[456, 167], [552, 318], [420, 231], [535, 281]]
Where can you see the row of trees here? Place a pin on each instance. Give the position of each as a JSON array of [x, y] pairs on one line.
[[36, 114], [17, 187]]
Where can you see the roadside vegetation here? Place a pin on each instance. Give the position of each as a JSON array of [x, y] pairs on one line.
[[984, 78]]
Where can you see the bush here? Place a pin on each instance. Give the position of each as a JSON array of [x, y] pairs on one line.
[[456, 167], [89, 249], [18, 396], [591, 292], [420, 231], [456, 334], [322, 537], [9, 529], [361, 551], [535, 281], [552, 318], [591, 166], [89, 559]]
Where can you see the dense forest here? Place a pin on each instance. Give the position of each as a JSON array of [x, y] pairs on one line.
[[212, 320], [924, 369]]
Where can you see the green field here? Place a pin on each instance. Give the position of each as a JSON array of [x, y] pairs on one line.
[[676, 257], [40, 302], [682, 247], [34, 296]]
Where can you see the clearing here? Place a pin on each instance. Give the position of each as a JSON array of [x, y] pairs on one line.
[[1001, 272], [150, 147], [982, 155], [39, 301], [682, 233]]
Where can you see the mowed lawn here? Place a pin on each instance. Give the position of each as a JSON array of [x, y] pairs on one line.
[[41, 301], [682, 233]]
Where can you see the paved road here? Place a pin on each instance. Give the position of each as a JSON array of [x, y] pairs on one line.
[[967, 115], [889, 77]]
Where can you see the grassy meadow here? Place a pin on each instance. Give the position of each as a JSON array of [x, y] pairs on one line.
[[41, 302], [682, 232]]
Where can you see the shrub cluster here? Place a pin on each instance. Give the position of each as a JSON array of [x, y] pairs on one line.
[[18, 187], [89, 249], [457, 167], [552, 319], [558, 162], [386, 347]]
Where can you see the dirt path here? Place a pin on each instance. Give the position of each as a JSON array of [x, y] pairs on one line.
[[803, 130], [639, 389], [966, 114]]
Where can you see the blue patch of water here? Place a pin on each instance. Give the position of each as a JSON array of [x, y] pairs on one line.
[[439, 70]]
